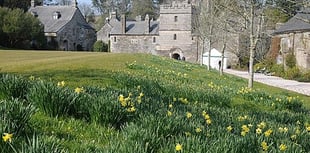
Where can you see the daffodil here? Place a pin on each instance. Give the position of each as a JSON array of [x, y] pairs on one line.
[[243, 133], [264, 146], [131, 109], [170, 105], [229, 128], [31, 77], [308, 128], [178, 147], [209, 121], [282, 147], [293, 137], [169, 113], [268, 132], [198, 130], [189, 115], [245, 128], [258, 131], [78, 90], [7, 137], [261, 125]]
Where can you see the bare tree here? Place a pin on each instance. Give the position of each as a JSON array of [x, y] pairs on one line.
[[86, 9]]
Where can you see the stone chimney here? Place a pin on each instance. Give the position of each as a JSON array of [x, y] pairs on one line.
[[74, 3], [147, 24], [113, 15], [33, 4], [123, 20]]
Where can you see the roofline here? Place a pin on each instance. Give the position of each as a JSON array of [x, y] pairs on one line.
[[291, 31], [133, 34]]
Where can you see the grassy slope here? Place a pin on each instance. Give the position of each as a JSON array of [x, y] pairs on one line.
[[88, 69]]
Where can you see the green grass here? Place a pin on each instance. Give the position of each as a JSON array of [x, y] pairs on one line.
[[94, 120]]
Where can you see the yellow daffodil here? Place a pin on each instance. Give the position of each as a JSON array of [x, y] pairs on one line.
[[178, 147], [258, 131], [243, 133], [264, 146], [283, 130], [169, 113], [282, 147], [31, 78], [261, 125], [308, 128], [131, 109], [170, 105], [78, 90], [229, 128], [61, 84], [209, 121], [293, 137], [245, 128], [7, 137], [141, 94], [188, 134], [268, 132], [198, 130], [189, 115], [207, 117]]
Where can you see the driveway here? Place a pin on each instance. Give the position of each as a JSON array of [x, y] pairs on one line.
[[300, 87]]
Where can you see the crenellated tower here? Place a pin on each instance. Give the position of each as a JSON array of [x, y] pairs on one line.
[[176, 38]]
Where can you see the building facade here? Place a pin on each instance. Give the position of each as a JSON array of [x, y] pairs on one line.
[[294, 38], [65, 28], [170, 36]]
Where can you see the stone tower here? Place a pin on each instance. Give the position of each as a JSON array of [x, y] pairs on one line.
[[175, 31]]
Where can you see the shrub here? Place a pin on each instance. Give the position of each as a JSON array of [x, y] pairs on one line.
[[100, 46], [292, 73], [290, 60]]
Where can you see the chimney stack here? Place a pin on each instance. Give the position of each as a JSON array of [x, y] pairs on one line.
[[74, 3], [147, 24], [33, 4], [123, 20]]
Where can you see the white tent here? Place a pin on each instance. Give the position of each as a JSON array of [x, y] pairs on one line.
[[215, 59]]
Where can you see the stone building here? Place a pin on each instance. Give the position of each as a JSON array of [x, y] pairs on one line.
[[294, 38], [65, 27], [171, 35]]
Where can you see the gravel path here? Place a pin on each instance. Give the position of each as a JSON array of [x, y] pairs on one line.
[[300, 87]]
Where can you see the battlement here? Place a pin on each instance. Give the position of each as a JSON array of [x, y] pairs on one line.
[[176, 7]]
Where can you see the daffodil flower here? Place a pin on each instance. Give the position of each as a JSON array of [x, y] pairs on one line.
[[7, 137]]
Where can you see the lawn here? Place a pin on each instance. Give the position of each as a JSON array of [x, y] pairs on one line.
[[104, 102]]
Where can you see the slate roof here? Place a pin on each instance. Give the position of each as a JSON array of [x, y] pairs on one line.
[[300, 22], [134, 27], [45, 15]]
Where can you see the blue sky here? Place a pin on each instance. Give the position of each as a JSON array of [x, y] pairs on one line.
[[84, 1]]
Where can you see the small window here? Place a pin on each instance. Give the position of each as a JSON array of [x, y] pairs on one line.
[[154, 39], [175, 37], [175, 18], [114, 39]]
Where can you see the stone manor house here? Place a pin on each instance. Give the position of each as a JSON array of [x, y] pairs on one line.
[[170, 36], [65, 28]]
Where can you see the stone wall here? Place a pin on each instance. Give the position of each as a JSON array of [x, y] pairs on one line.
[[74, 35], [133, 43], [299, 44]]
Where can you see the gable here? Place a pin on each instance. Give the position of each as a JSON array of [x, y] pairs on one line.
[[45, 15]]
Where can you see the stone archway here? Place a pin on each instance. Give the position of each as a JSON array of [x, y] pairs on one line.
[[177, 53]]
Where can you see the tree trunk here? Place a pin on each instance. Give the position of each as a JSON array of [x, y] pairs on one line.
[[252, 48]]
